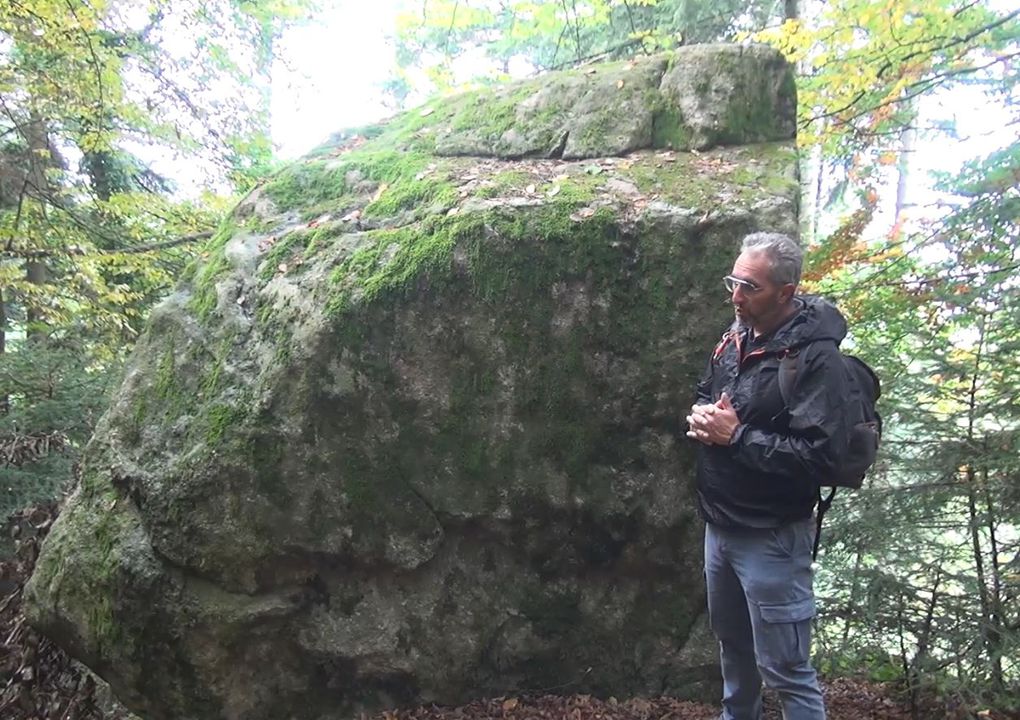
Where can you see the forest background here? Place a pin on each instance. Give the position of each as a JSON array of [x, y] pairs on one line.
[[920, 571]]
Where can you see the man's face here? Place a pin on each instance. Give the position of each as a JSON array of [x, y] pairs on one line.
[[762, 308]]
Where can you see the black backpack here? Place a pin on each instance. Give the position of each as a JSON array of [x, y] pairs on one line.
[[863, 391]]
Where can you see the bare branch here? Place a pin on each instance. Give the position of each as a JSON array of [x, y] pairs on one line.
[[75, 250]]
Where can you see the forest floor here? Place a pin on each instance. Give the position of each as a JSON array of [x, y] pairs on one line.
[[38, 681]]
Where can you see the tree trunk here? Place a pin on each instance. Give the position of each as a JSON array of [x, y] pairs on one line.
[[790, 11], [917, 670], [42, 156], [851, 608], [903, 167], [990, 633], [5, 399], [997, 628]]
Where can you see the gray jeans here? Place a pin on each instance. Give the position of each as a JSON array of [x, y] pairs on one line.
[[760, 605]]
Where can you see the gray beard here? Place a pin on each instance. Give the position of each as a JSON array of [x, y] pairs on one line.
[[738, 324]]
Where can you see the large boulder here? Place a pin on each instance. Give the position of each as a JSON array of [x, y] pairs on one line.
[[409, 431]]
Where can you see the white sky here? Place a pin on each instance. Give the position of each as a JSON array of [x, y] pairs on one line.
[[335, 66], [333, 74]]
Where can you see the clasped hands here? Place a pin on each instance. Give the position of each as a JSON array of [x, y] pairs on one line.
[[713, 424]]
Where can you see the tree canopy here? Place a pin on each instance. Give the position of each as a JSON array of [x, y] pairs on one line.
[[100, 104]]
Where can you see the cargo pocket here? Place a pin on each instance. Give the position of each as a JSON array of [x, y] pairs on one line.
[[785, 635], [788, 612]]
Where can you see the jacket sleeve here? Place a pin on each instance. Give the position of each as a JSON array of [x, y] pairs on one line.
[[818, 431], [704, 390]]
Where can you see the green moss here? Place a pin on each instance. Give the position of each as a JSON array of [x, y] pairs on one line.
[[165, 380], [284, 250], [307, 182], [669, 129], [508, 182], [376, 178], [211, 381], [395, 258], [597, 127], [214, 266], [412, 193], [578, 189], [83, 559], [106, 541], [488, 114]]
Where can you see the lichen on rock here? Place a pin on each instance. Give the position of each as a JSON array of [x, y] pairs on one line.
[[409, 430]]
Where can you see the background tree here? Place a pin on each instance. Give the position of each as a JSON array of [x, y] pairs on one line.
[[920, 569], [92, 97], [444, 42]]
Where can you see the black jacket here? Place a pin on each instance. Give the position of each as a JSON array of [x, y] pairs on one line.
[[770, 473]]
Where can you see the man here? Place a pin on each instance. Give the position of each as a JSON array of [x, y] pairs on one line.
[[760, 464]]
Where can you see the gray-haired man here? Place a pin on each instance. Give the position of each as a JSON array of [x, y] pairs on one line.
[[760, 464]]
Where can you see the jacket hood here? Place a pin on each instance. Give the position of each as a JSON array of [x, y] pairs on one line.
[[818, 320]]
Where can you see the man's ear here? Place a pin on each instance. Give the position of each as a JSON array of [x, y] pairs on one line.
[[787, 292]]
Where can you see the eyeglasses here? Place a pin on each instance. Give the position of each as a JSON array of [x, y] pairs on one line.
[[732, 283]]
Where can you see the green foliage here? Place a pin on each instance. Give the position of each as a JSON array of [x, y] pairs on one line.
[[921, 568], [55, 393], [899, 51], [433, 36], [91, 235], [926, 562]]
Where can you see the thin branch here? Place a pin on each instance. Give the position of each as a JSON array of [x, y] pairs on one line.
[[931, 50], [75, 250], [449, 30], [96, 66], [17, 217]]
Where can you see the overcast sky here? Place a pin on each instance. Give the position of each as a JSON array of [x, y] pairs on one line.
[[333, 73]]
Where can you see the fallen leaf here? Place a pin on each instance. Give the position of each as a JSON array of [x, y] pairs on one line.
[[619, 84], [282, 267], [510, 704], [530, 189], [583, 213]]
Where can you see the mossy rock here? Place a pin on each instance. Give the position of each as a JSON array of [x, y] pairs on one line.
[[410, 430]]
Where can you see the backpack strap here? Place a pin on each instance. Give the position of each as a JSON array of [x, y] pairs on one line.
[[788, 373], [788, 363], [824, 503]]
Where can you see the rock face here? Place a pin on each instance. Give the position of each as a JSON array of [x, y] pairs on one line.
[[409, 431]]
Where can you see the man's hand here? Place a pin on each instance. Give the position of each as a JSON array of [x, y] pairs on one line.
[[713, 424]]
